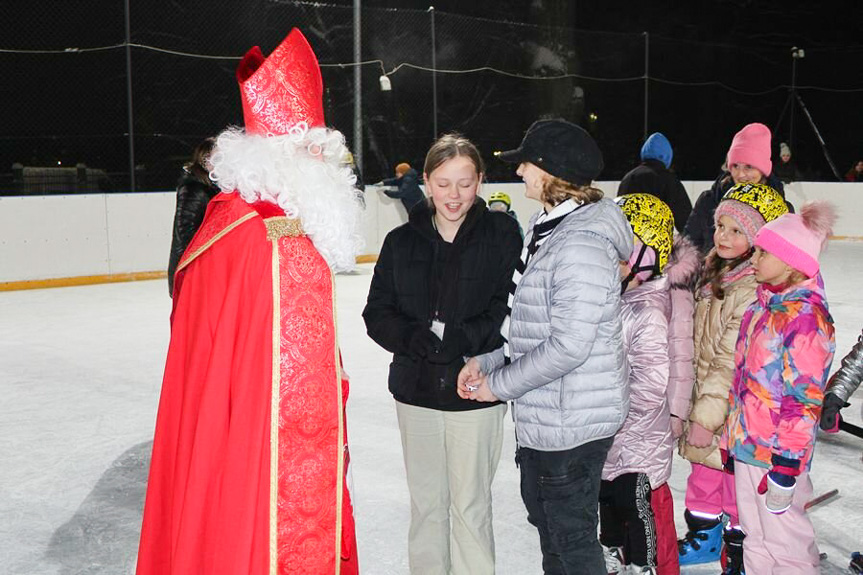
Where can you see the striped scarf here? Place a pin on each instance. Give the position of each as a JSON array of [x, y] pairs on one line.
[[542, 228]]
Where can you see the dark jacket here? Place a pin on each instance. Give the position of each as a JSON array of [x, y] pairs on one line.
[[408, 191], [652, 177], [469, 279], [193, 196], [699, 227]]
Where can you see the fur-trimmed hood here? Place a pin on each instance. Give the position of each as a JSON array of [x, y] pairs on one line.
[[683, 264]]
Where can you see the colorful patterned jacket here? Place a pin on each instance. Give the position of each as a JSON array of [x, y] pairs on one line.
[[782, 360]]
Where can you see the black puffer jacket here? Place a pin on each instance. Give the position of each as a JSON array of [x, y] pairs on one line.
[[193, 196], [699, 227], [468, 280], [652, 177]]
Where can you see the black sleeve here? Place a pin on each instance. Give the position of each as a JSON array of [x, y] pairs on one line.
[[482, 331], [192, 202], [699, 228], [385, 324]]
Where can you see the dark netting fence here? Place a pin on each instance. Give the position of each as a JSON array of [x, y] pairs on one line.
[[84, 107]]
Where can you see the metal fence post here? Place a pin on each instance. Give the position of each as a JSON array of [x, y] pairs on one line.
[[358, 89], [434, 73], [646, 78], [129, 100]]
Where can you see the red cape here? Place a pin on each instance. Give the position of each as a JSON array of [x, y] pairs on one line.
[[249, 466]]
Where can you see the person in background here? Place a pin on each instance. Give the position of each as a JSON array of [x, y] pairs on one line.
[[438, 294], [782, 360], [842, 386], [787, 170], [501, 202], [654, 176], [194, 192], [855, 174], [747, 161], [636, 508], [726, 290], [562, 363], [404, 186]]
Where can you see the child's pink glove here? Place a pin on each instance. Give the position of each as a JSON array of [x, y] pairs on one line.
[[699, 436]]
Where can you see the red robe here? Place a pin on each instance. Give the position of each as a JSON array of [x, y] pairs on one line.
[[250, 457]]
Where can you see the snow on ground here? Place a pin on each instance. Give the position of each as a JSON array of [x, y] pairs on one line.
[[80, 372]]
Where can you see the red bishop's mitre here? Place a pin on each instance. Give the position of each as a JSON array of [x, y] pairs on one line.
[[283, 90]]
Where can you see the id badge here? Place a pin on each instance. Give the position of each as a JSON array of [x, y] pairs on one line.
[[437, 328]]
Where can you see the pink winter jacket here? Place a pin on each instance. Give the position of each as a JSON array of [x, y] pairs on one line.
[[657, 332]]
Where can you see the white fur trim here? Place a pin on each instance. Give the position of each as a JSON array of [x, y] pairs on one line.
[[302, 172]]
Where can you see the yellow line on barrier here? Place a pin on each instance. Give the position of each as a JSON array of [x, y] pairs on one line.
[[81, 280], [112, 278]]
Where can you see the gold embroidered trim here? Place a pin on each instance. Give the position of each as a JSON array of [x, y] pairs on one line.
[[340, 465], [213, 240], [274, 416], [281, 226]]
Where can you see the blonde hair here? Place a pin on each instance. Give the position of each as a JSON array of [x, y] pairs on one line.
[[555, 191]]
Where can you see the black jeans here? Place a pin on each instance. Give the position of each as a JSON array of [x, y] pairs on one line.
[[561, 492]]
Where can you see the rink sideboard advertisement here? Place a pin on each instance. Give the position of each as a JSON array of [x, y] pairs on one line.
[[90, 238]]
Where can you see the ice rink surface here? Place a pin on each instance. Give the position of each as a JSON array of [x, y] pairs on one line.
[[80, 373]]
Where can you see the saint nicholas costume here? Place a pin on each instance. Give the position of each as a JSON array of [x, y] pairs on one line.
[[249, 473]]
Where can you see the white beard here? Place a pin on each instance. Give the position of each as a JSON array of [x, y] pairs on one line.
[[302, 172]]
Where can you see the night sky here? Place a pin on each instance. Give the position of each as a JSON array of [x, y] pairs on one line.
[[714, 65]]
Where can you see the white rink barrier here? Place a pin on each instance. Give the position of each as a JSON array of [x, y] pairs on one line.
[[128, 236]]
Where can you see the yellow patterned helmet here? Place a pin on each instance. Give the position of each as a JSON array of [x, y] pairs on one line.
[[651, 221], [751, 206], [500, 197]]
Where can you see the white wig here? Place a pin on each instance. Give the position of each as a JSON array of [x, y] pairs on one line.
[[302, 172]]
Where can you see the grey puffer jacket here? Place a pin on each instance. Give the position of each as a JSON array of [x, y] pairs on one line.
[[845, 382], [568, 376]]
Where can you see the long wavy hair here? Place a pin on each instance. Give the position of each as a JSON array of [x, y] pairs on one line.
[[715, 267]]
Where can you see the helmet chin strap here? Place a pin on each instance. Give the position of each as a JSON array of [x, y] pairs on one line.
[[637, 268]]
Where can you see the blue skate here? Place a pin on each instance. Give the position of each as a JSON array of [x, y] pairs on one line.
[[703, 541]]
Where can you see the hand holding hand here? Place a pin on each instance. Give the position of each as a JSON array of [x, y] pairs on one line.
[[699, 436], [482, 392], [467, 376]]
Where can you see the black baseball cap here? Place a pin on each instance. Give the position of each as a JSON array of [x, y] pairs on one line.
[[561, 148]]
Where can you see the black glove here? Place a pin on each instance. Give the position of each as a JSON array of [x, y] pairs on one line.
[[830, 413], [455, 345], [423, 343]]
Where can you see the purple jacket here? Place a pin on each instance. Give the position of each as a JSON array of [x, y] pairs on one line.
[[657, 332]]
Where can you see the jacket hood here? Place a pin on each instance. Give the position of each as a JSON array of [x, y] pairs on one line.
[[647, 291], [809, 291], [603, 218], [684, 263]]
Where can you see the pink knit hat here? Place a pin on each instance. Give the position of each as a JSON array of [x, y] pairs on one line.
[[797, 239], [751, 145]]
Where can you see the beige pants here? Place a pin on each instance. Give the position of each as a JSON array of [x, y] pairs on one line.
[[450, 459]]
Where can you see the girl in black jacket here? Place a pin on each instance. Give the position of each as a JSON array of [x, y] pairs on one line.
[[194, 192], [439, 294]]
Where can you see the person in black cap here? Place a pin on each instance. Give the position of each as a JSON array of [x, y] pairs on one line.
[[562, 362]]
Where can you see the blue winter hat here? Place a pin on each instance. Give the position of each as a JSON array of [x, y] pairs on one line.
[[657, 147]]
